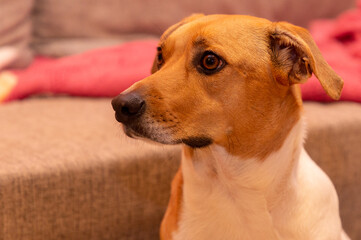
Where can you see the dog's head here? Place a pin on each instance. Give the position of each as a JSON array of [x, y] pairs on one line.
[[229, 80]]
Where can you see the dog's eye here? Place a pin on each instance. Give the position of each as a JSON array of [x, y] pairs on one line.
[[160, 59], [211, 63]]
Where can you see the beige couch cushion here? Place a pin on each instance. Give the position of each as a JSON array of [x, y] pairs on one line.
[[99, 19], [68, 172], [334, 142], [15, 33]]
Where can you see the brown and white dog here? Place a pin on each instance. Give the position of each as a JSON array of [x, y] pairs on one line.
[[226, 87]]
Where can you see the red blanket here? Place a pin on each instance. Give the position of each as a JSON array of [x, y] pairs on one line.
[[107, 72]]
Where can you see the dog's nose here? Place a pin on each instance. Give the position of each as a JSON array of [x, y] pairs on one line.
[[128, 106]]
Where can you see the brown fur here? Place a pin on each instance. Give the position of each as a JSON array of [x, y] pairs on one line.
[[270, 108], [172, 215]]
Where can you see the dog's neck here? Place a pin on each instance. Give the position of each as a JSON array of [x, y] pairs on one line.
[[215, 163], [252, 186]]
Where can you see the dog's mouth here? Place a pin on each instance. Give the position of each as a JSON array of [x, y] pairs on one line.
[[197, 142], [132, 133], [149, 131], [161, 135]]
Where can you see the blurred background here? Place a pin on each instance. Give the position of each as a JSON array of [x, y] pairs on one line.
[[66, 169], [58, 28]]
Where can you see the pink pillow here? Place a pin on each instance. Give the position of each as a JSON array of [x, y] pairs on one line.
[[340, 43], [99, 73]]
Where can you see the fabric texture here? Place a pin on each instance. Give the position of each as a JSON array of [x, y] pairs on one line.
[[15, 33], [68, 172], [340, 42], [333, 141]]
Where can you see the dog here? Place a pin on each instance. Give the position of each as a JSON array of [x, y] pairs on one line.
[[226, 87]]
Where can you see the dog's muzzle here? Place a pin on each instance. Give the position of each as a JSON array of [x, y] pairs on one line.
[[128, 107], [130, 110]]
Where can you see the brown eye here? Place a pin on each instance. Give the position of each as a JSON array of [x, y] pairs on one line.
[[210, 61], [160, 59]]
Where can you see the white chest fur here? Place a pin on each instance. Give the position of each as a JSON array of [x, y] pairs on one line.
[[225, 197]]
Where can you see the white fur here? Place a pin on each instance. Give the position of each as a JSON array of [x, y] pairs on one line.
[[285, 196]]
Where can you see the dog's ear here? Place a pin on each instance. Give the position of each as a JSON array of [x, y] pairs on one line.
[[295, 56], [171, 29]]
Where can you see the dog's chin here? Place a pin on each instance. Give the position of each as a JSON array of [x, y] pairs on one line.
[[162, 138]]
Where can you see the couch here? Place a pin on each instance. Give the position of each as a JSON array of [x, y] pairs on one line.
[[66, 169]]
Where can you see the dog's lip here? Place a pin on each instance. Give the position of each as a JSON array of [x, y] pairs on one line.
[[130, 132], [197, 142], [194, 142]]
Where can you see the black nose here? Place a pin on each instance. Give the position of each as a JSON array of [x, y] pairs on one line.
[[128, 107]]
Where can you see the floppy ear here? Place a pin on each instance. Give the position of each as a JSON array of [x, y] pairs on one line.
[[171, 29], [295, 56]]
